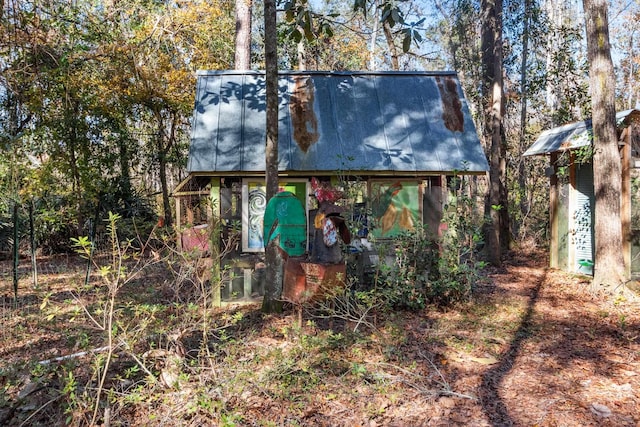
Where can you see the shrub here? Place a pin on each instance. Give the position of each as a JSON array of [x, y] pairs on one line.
[[422, 269], [404, 283]]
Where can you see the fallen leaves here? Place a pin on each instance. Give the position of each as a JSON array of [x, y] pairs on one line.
[[533, 347]]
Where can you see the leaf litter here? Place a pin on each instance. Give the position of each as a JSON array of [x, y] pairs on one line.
[[533, 347]]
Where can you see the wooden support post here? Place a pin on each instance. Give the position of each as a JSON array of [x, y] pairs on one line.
[[179, 201], [553, 213], [625, 201], [213, 213], [246, 282]]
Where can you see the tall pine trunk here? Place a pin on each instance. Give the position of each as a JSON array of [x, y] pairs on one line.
[[497, 234], [273, 280], [522, 173], [393, 51], [609, 269], [243, 34], [164, 143]]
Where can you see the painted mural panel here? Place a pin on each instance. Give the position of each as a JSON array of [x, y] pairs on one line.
[[254, 203], [256, 206], [395, 207], [564, 190]]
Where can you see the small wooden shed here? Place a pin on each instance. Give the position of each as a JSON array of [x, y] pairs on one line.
[[572, 193], [400, 135]]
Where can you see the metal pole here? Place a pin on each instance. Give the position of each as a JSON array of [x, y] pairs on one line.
[[32, 233], [16, 242]]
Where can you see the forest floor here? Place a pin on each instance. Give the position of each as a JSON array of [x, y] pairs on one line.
[[533, 347]]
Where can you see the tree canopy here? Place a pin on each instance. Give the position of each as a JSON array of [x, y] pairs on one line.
[[97, 95]]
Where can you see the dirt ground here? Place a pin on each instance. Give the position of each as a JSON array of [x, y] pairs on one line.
[[574, 360], [533, 348]]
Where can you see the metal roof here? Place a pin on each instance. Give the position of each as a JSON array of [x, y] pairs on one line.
[[398, 122], [568, 137]]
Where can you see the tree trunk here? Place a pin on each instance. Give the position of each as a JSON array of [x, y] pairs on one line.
[[393, 51], [555, 12], [273, 280], [497, 231], [243, 34], [607, 171], [631, 103], [374, 36], [302, 53], [76, 186], [166, 204], [163, 149], [522, 175], [125, 174]]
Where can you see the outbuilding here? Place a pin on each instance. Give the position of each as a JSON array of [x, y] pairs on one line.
[[380, 137], [572, 199]]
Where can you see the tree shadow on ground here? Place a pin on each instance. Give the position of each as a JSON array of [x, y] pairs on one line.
[[493, 405]]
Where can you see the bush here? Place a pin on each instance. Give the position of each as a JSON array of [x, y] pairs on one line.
[[428, 270], [405, 282]]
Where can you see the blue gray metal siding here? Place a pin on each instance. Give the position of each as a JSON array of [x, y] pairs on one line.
[[373, 122], [582, 233]]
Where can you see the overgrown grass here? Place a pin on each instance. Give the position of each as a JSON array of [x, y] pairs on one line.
[[139, 342], [341, 365], [254, 369]]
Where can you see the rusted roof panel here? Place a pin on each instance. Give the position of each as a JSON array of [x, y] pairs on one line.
[[569, 136], [399, 122]]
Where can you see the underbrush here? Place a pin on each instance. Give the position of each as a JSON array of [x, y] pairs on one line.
[[177, 360], [140, 340], [253, 369]]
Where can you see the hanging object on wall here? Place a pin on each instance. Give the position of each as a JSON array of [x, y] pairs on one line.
[[329, 229], [324, 192]]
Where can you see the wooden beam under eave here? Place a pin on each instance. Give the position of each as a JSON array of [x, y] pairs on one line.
[[178, 225], [625, 200], [213, 213], [571, 245], [553, 213]]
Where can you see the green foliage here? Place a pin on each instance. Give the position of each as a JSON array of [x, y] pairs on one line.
[[463, 237], [120, 326], [332, 32], [404, 281], [584, 154], [413, 269], [69, 391], [96, 103], [426, 273], [576, 157]]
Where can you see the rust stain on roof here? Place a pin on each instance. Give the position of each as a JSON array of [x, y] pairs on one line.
[[303, 117], [451, 104], [566, 144]]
